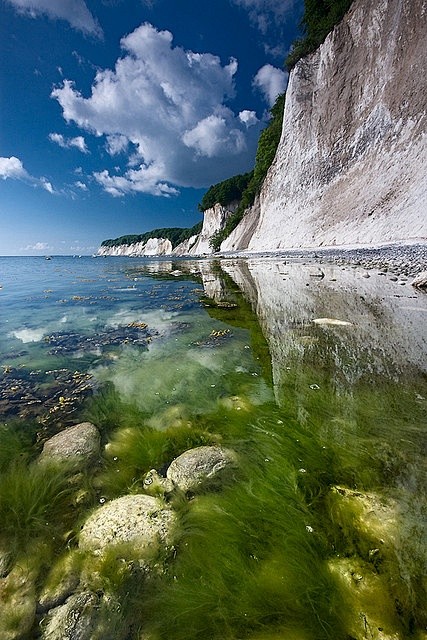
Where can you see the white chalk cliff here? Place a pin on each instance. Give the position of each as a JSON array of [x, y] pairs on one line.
[[153, 247], [350, 167], [214, 219]]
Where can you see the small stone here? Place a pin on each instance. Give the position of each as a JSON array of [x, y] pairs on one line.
[[84, 616], [198, 468], [79, 444], [420, 281], [156, 485], [332, 322]]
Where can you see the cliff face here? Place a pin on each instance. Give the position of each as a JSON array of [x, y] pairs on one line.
[[153, 247], [350, 166], [214, 219]]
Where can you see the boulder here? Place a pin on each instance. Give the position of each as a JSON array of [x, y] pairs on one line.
[[84, 616], [61, 582], [139, 521], [79, 444], [18, 602], [420, 281], [201, 467], [370, 608]]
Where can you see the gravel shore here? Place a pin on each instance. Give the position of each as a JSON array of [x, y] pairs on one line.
[[406, 260]]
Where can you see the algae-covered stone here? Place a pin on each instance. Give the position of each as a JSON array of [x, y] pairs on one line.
[[61, 581], [17, 602], [369, 607], [79, 445], [373, 518], [84, 616], [198, 468], [139, 520], [5, 562], [156, 485]]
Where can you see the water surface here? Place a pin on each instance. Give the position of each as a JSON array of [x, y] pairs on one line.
[[315, 376]]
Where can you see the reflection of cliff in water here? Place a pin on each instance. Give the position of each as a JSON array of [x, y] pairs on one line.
[[385, 337]]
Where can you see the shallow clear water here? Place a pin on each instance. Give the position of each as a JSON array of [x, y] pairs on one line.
[[318, 383]]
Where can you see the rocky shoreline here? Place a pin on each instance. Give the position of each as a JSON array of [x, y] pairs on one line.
[[400, 259]]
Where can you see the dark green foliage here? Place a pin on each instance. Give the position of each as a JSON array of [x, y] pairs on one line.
[[320, 17], [267, 145], [175, 234], [225, 192]]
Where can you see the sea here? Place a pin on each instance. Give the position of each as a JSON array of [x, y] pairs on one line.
[[313, 374]]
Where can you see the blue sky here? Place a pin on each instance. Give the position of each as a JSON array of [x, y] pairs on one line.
[[117, 115]]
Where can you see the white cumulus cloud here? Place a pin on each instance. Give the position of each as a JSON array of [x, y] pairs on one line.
[[271, 81], [75, 12], [13, 169], [116, 144], [81, 185], [68, 143], [165, 101], [215, 136], [249, 118]]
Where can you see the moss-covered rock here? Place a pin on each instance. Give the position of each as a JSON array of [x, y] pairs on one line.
[[139, 520], [198, 468], [78, 445]]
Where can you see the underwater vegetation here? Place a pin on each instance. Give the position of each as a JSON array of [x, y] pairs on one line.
[[317, 533]]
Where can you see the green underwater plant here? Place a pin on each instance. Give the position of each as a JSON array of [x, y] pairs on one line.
[[34, 504]]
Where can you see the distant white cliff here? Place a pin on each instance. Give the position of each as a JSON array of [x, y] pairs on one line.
[[214, 219], [153, 247], [350, 167]]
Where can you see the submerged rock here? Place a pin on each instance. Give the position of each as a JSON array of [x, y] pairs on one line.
[[79, 444], [18, 602], [198, 468], [84, 616], [420, 281], [156, 485], [61, 582], [370, 608], [140, 521], [332, 322]]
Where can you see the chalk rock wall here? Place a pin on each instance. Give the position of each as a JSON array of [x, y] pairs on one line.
[[350, 166], [153, 247], [214, 220]]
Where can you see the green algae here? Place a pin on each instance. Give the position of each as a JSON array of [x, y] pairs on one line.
[[318, 534]]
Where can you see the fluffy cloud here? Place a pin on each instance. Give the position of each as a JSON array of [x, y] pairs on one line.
[[215, 136], [81, 185], [271, 81], [73, 11], [12, 168], [68, 143], [116, 144], [248, 118], [170, 105]]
